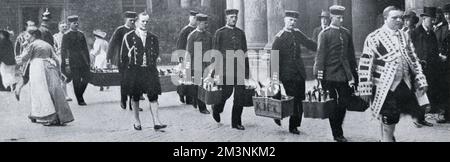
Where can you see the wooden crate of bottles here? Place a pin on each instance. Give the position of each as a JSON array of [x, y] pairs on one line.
[[274, 108], [99, 77], [318, 104]]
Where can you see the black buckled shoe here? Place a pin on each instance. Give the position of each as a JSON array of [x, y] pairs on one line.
[[205, 112], [216, 117], [239, 127], [340, 139], [158, 127], [294, 131]]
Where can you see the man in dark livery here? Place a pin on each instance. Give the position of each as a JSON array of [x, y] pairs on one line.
[[75, 59], [443, 36], [233, 39], [199, 35], [292, 69], [114, 50], [336, 67], [181, 45], [47, 36], [139, 54], [324, 23], [426, 47]]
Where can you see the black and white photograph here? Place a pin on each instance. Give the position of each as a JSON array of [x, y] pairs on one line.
[[224, 71]]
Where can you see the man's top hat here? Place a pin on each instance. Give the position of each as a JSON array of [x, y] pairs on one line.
[[429, 11], [446, 8]]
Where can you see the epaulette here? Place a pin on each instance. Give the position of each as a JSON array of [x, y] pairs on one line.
[[345, 29]]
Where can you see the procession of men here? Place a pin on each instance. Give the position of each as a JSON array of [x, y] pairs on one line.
[[403, 68]]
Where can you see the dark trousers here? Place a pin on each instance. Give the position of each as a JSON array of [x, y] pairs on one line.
[[344, 92], [295, 88], [201, 105], [237, 108], [402, 100], [80, 82], [123, 94]]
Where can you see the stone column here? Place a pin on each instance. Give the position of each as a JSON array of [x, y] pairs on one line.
[[185, 3], [206, 3], [364, 21], [173, 4], [275, 17], [256, 23], [239, 5]]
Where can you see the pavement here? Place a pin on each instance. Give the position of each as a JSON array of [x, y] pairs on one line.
[[104, 121]]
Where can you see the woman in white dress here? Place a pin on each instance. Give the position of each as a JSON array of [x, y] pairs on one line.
[[48, 103], [99, 51]]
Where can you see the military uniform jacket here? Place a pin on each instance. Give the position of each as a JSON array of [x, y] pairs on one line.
[[231, 38], [336, 55], [138, 60], [288, 43], [426, 45], [183, 37], [379, 62], [115, 44], [46, 35], [75, 50], [205, 38]]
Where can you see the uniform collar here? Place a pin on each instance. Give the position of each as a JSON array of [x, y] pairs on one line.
[[229, 27], [141, 33]]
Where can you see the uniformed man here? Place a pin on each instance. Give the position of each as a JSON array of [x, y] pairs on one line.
[[62, 27], [75, 58], [324, 23], [336, 67], [292, 69], [139, 55], [199, 35], [426, 46], [114, 50], [230, 38], [443, 35], [181, 45], [47, 36]]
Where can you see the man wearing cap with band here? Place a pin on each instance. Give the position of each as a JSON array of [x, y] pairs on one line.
[[324, 23], [443, 36], [113, 53], [46, 36], [335, 67], [426, 47], [199, 35], [292, 69], [181, 45], [231, 38], [75, 59]]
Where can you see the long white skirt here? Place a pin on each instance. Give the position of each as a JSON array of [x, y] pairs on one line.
[[100, 61], [48, 103]]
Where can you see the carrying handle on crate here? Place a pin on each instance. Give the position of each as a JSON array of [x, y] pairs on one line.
[[283, 90]]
